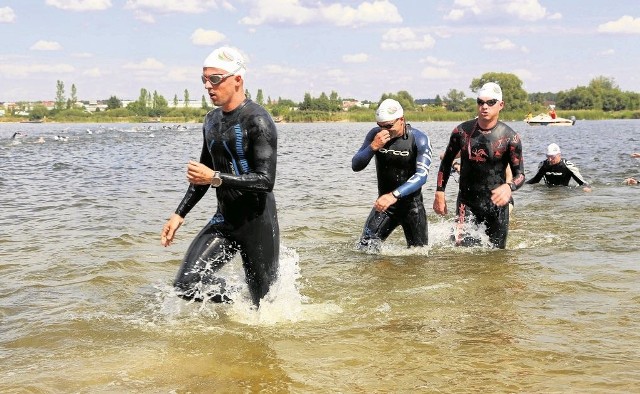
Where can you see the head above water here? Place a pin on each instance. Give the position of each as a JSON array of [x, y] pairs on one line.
[[490, 90], [227, 59], [389, 110], [553, 150]]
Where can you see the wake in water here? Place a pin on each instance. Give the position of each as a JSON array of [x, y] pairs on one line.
[[283, 303]]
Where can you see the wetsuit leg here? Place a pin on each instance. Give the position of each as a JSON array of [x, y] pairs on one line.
[[259, 241], [497, 222], [414, 223], [377, 228], [208, 252]]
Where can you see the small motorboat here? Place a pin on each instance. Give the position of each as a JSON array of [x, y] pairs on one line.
[[547, 120]]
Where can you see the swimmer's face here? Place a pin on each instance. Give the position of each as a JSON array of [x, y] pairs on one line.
[[553, 159], [487, 111], [220, 93]]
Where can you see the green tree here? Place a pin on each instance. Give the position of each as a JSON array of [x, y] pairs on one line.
[[455, 100], [60, 100], [307, 102], [38, 112], [113, 102], [438, 101], [186, 98], [74, 95], [513, 94], [175, 101], [205, 103], [260, 97], [247, 94]]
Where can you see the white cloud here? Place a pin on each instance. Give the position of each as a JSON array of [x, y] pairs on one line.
[[176, 6], [183, 74], [405, 39], [528, 10], [524, 74], [436, 62], [28, 70], [206, 37], [292, 12], [149, 64], [608, 52], [84, 55], [80, 5], [355, 58], [499, 45], [7, 15], [280, 70], [94, 72], [46, 46], [436, 73], [625, 25]]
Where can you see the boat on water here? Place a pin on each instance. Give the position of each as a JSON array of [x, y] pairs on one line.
[[547, 120]]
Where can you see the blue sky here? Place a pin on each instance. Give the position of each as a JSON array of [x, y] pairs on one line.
[[360, 49]]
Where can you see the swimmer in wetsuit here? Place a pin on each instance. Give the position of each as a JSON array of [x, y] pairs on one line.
[[238, 159], [487, 148], [403, 158], [557, 171]]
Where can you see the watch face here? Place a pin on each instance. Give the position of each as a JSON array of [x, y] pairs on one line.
[[216, 181]]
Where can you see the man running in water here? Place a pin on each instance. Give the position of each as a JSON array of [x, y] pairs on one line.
[[487, 148], [238, 159], [403, 158], [557, 171]]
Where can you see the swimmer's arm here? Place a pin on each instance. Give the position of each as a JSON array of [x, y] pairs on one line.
[[444, 171], [423, 164], [575, 174], [194, 192], [516, 162], [364, 155]]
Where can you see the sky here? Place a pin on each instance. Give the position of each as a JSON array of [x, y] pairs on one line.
[[360, 49]]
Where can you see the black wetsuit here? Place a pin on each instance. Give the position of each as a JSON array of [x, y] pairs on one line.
[[242, 145], [484, 155], [558, 174], [402, 165]]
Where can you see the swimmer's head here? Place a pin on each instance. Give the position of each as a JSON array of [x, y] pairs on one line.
[[388, 110], [553, 150], [227, 59], [490, 90]]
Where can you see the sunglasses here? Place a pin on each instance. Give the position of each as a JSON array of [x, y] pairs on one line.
[[217, 79], [387, 126], [490, 103]]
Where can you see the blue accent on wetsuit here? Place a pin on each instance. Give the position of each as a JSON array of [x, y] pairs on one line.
[[484, 156], [242, 145], [402, 165]]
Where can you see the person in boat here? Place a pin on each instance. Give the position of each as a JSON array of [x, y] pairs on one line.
[[557, 171], [552, 112], [403, 158], [488, 147], [238, 160]]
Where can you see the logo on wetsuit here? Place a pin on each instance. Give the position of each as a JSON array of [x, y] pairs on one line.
[[395, 152]]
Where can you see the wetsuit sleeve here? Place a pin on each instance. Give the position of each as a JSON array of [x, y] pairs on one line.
[[364, 155], [263, 142], [195, 192], [423, 163], [539, 174], [516, 162], [447, 161], [575, 173]]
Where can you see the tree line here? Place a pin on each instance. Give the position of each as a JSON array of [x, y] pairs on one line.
[[601, 94]]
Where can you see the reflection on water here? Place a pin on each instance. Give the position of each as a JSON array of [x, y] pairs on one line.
[[87, 304]]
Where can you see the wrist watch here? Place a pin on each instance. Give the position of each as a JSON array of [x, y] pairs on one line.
[[216, 180], [512, 186], [396, 194]]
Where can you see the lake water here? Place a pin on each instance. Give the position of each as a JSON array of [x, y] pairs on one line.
[[86, 303]]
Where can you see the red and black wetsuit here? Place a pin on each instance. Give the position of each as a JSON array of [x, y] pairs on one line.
[[242, 145], [402, 165], [484, 155]]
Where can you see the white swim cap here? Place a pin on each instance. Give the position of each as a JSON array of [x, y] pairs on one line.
[[553, 149], [491, 90], [388, 110], [227, 59]]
